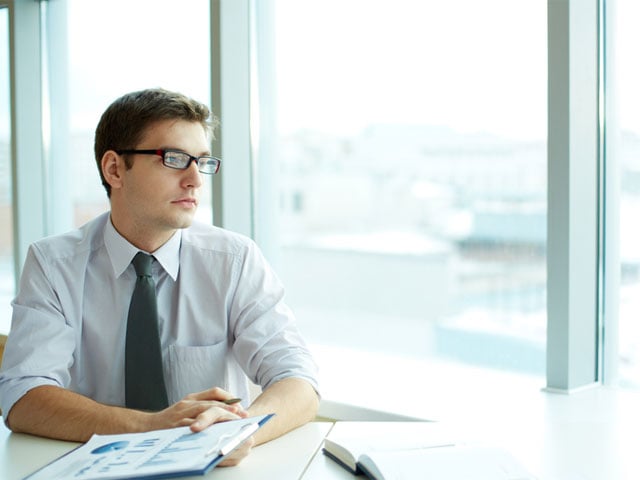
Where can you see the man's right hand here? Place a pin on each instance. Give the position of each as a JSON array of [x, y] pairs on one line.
[[198, 410]]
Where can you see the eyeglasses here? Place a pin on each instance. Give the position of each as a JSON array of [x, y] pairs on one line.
[[180, 160]]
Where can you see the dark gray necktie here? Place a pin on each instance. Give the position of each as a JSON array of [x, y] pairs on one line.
[[144, 381]]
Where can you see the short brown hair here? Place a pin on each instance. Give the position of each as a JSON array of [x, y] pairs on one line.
[[124, 122]]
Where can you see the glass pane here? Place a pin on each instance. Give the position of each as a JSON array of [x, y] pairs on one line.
[[625, 135], [138, 50], [407, 148], [7, 282]]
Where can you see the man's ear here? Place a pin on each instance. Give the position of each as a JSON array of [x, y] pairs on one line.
[[113, 167]]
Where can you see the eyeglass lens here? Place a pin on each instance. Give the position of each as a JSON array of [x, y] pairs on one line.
[[182, 160]]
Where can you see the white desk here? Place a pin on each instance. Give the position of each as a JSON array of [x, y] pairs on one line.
[[587, 435], [590, 435], [284, 458]]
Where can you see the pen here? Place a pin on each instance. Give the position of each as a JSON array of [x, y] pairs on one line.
[[231, 401]]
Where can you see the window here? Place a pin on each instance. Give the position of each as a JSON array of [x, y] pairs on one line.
[[624, 153], [399, 167], [407, 147], [7, 282], [98, 51]]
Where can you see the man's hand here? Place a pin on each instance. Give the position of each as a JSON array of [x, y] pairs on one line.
[[197, 410], [55, 412], [200, 410]]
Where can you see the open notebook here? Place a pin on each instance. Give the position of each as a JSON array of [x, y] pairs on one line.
[[402, 450]]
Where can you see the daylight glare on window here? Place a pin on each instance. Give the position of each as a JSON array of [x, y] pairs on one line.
[[410, 165], [624, 135]]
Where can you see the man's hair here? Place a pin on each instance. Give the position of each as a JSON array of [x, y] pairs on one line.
[[125, 121]]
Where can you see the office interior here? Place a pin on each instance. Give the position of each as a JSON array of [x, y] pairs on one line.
[[447, 189]]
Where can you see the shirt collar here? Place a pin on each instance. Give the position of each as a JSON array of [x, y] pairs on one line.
[[121, 252]]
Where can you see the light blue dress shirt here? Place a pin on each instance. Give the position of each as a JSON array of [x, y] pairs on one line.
[[221, 316]]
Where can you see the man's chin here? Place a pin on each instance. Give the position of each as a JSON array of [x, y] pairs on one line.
[[184, 224], [183, 220], [186, 220]]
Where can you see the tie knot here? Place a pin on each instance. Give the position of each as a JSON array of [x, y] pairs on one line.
[[142, 264]]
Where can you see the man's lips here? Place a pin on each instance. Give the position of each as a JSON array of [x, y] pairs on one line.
[[186, 202]]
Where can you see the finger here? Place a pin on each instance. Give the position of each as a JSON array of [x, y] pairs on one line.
[[215, 393], [210, 416], [237, 455], [242, 413], [235, 407], [192, 409]]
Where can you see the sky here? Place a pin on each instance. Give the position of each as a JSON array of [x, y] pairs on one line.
[[122, 45], [625, 39], [471, 65]]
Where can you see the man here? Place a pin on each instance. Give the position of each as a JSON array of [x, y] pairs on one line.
[[220, 312]]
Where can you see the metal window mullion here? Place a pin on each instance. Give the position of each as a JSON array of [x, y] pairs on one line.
[[29, 187], [610, 232], [573, 156], [233, 193]]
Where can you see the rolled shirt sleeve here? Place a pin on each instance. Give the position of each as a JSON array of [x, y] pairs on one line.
[[267, 342], [41, 345]]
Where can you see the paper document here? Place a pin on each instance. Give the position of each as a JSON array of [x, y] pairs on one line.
[[167, 453]]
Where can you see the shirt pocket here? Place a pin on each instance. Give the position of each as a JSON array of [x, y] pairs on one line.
[[193, 369]]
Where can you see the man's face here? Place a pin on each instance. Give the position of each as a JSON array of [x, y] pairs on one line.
[[157, 199]]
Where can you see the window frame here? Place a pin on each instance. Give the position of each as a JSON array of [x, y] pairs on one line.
[[573, 180], [27, 155]]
